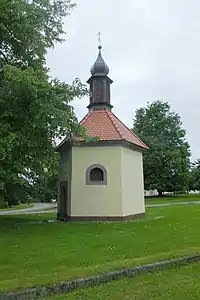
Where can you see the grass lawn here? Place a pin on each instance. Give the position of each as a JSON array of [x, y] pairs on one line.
[[36, 254], [176, 198], [178, 284], [16, 207]]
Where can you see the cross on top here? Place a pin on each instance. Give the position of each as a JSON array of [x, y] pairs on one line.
[[99, 38]]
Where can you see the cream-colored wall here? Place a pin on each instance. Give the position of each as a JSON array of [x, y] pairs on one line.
[[132, 182], [96, 200]]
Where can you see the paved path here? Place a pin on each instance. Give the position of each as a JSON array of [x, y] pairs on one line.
[[50, 207], [172, 203], [37, 208]]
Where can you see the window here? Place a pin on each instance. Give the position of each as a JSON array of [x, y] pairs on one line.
[[96, 175]]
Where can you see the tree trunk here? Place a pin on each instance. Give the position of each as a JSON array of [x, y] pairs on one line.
[[160, 193]]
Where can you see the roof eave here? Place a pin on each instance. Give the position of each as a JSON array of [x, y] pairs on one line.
[[104, 143]]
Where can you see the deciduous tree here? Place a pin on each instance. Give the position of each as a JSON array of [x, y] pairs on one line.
[[35, 109], [195, 176], [166, 163]]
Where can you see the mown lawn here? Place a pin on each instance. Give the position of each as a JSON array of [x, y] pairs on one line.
[[16, 207], [172, 199], [176, 284], [36, 254]]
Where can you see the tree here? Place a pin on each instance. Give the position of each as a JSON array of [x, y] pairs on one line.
[[195, 176], [35, 110], [28, 28], [166, 163], [45, 186]]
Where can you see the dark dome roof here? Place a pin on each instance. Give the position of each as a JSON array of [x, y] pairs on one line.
[[100, 68]]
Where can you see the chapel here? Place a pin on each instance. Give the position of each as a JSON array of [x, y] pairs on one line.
[[101, 179]]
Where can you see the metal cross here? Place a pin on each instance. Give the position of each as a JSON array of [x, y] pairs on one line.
[[99, 38]]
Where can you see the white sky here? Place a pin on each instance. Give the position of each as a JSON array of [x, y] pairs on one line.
[[152, 48]]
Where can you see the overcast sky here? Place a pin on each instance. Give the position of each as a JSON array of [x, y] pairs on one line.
[[152, 48]]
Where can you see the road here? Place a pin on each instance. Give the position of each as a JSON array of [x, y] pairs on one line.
[[172, 203], [37, 208], [50, 207]]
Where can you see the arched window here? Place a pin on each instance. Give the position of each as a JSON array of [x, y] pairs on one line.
[[96, 175]]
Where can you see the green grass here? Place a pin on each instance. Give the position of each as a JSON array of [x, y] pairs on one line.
[[16, 207], [170, 199], [178, 284], [36, 254]]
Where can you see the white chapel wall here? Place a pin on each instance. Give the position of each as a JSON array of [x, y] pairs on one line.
[[132, 182], [96, 200]]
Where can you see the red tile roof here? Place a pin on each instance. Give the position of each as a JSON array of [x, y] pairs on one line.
[[107, 127]]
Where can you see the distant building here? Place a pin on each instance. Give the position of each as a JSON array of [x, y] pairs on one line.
[[150, 193]]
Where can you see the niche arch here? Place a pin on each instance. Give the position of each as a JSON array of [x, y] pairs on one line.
[[96, 175]]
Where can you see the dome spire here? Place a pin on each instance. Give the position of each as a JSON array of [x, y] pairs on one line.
[[100, 68], [99, 83]]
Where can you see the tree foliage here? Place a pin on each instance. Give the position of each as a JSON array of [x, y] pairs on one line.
[[35, 110], [166, 163], [195, 176], [28, 28], [46, 184]]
